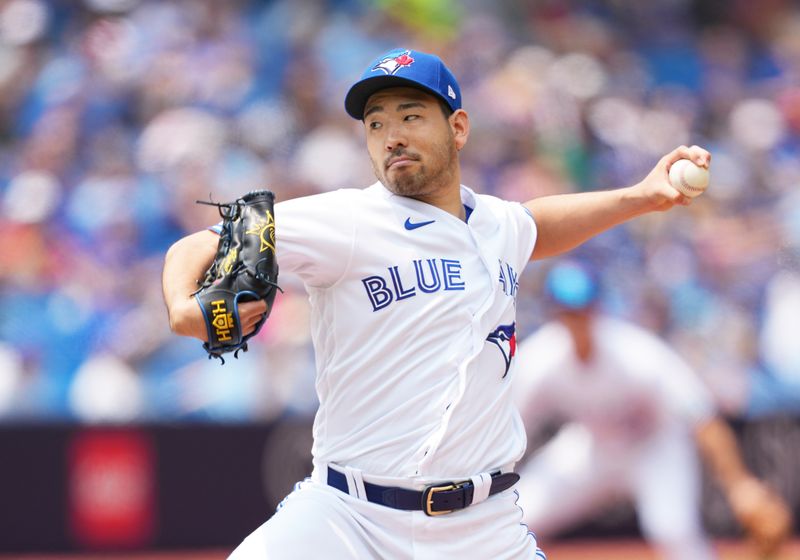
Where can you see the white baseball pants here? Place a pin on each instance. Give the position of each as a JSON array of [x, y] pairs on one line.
[[318, 521]]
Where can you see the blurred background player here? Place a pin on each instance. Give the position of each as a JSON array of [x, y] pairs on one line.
[[635, 415]]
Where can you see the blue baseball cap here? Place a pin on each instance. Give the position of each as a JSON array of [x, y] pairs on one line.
[[570, 284], [403, 67]]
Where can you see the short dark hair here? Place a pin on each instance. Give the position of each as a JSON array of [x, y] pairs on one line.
[[446, 109]]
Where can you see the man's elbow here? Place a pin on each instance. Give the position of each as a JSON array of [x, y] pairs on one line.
[[186, 319], [178, 323]]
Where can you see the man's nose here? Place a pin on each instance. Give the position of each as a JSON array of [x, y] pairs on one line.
[[395, 138]]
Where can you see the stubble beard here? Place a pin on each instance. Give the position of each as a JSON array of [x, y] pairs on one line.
[[421, 182]]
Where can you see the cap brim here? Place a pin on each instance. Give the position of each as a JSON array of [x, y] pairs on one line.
[[356, 98]]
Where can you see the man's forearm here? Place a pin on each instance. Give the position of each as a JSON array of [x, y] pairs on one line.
[[185, 263], [762, 512], [720, 451], [566, 221]]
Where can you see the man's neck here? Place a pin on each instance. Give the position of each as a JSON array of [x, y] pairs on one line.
[[448, 199]]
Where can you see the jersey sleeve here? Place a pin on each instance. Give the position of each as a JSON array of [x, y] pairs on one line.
[[525, 231], [314, 236]]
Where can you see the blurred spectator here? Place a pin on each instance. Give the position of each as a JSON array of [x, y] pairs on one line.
[[774, 387]]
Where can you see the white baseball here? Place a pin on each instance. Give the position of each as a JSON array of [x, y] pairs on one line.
[[689, 178]]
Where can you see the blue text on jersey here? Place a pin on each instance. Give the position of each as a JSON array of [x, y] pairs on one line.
[[509, 279], [430, 275]]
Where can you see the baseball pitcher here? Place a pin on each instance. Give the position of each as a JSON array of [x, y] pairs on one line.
[[413, 283]]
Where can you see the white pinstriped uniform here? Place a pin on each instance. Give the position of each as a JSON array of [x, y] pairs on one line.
[[413, 315]]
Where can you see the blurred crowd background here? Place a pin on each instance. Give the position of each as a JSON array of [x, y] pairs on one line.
[[117, 115]]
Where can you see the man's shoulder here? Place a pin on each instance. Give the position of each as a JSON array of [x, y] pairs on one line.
[[338, 196], [635, 344], [495, 203], [624, 330]]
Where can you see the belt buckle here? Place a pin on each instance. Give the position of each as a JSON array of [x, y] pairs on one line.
[[427, 497]]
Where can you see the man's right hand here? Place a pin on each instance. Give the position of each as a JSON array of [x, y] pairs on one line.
[[656, 188], [250, 313]]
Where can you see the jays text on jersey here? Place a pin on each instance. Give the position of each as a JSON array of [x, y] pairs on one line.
[[413, 322]]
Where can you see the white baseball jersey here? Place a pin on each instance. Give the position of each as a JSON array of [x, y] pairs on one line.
[[413, 324], [633, 386]]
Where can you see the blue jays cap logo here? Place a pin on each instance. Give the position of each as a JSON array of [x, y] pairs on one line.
[[505, 338], [403, 67], [394, 62]]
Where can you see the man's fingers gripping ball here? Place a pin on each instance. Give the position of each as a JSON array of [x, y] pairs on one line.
[[663, 185], [688, 171], [698, 155], [688, 178]]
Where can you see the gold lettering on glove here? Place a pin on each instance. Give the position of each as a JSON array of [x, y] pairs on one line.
[[230, 259], [223, 321], [265, 230]]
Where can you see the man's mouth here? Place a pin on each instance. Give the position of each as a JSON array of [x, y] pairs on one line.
[[398, 162]]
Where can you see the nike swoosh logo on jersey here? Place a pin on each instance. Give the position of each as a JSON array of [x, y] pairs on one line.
[[411, 225]]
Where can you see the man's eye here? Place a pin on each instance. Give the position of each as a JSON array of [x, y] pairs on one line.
[[374, 125], [411, 117]]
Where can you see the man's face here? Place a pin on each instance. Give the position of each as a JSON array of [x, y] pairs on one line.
[[410, 141], [579, 324]]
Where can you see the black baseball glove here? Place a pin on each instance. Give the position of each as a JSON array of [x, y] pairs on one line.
[[244, 269]]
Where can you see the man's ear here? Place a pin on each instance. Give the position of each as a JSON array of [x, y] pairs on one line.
[[459, 124]]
